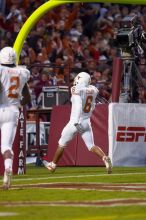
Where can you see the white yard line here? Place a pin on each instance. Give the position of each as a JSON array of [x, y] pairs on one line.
[[75, 176], [8, 214], [88, 203], [82, 189], [84, 186]]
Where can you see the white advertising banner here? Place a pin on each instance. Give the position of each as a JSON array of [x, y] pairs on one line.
[[127, 134]]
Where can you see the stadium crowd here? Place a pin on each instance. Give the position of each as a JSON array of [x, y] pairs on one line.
[[68, 39]]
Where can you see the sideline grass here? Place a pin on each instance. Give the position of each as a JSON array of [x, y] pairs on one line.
[[49, 211]]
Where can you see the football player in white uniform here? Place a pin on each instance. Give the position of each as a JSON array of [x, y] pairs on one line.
[[83, 103], [14, 92]]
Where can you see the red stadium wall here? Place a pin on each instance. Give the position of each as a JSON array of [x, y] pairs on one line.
[[76, 154]]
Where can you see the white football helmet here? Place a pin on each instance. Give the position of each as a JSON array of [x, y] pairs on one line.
[[8, 56], [82, 78]]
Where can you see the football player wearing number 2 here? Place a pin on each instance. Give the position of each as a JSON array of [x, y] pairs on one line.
[[14, 92], [83, 103]]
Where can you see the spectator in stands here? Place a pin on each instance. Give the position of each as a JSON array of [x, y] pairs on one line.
[[2, 6], [45, 81], [33, 103], [76, 34]]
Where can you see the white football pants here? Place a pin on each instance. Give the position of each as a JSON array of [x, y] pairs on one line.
[[70, 131], [9, 116]]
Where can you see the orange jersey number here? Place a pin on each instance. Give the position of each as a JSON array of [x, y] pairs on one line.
[[14, 85], [88, 103]]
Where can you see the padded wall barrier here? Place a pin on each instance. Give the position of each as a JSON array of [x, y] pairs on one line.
[[76, 154]]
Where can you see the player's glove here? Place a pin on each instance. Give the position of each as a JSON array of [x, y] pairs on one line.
[[79, 128]]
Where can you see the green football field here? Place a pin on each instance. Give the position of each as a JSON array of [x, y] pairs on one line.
[[79, 193]]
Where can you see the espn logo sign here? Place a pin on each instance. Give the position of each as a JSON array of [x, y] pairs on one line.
[[131, 134]]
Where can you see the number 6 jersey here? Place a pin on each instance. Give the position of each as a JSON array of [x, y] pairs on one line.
[[12, 81], [83, 102]]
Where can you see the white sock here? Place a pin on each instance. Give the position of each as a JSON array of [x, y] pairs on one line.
[[54, 164], [8, 163], [103, 158]]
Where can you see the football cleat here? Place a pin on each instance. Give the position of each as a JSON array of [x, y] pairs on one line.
[[49, 165], [7, 179], [108, 164]]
